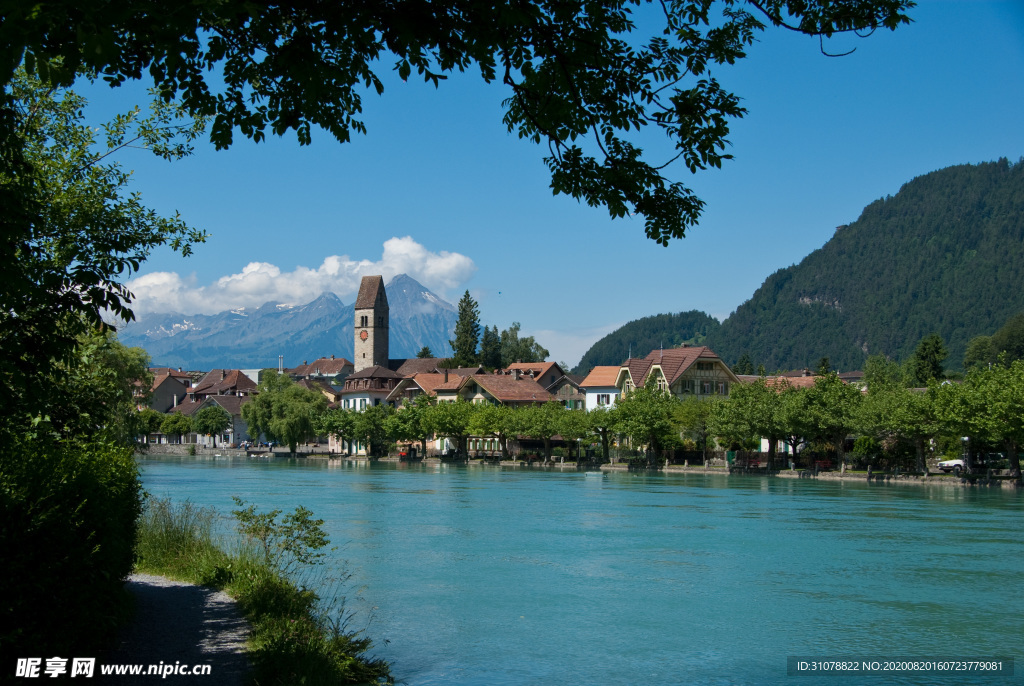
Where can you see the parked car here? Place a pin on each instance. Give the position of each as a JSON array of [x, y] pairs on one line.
[[981, 463]]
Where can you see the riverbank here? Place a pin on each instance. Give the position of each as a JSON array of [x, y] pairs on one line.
[[297, 634]]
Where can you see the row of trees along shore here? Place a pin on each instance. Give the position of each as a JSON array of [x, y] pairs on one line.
[[895, 423]]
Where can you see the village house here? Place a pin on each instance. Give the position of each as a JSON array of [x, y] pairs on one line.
[[599, 388], [687, 372], [329, 370]]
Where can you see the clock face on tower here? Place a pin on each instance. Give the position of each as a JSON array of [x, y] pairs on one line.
[[363, 335]]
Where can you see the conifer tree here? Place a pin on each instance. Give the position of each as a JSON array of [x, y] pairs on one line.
[[467, 332], [490, 348]]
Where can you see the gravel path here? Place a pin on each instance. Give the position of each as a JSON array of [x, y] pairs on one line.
[[176, 622]]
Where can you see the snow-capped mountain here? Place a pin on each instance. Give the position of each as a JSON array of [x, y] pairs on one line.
[[254, 337]]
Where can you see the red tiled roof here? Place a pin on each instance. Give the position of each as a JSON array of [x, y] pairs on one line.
[[170, 371], [324, 366], [781, 382], [415, 365], [166, 378], [219, 380], [510, 389], [186, 407], [539, 369], [601, 376]]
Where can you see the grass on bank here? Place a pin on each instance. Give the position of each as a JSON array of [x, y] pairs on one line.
[[297, 637]]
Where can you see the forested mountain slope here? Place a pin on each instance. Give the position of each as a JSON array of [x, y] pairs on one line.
[[644, 335], [945, 254]]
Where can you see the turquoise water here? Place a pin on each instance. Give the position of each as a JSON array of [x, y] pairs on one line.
[[488, 576]]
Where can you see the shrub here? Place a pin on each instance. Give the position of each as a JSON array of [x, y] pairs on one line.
[[297, 637], [68, 516]]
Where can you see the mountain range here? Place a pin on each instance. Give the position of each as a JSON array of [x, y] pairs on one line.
[[255, 337], [943, 255]]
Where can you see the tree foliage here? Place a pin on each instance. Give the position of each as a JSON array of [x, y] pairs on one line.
[[926, 362], [467, 333], [283, 411], [580, 79], [210, 421], [520, 349], [490, 348], [72, 232], [648, 417]]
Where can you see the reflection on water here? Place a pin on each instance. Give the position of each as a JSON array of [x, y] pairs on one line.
[[481, 575]]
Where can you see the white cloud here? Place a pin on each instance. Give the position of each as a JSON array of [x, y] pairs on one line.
[[261, 282]]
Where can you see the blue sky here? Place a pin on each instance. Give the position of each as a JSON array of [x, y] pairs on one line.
[[439, 189]]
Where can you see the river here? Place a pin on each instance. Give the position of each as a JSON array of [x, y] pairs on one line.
[[483, 575]]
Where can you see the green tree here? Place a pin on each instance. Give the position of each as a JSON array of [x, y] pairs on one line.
[[648, 416], [604, 422], [371, 427], [451, 421], [490, 348], [540, 422], [100, 390], [793, 415], [176, 424], [336, 422], [1008, 341], [515, 349], [831, 412], [744, 365], [210, 421], [893, 414], [979, 352], [695, 418], [879, 370], [467, 333], [497, 421], [751, 412], [574, 427], [72, 232], [283, 411], [987, 407], [409, 423], [926, 363], [424, 353], [150, 421]]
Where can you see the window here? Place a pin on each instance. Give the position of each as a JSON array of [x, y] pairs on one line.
[[364, 320], [706, 388], [380, 321], [603, 399], [362, 403], [723, 388], [688, 386], [661, 383]]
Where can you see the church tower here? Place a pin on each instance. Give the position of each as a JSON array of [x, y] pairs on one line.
[[371, 324]]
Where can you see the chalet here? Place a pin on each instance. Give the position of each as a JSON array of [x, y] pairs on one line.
[[686, 372]]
